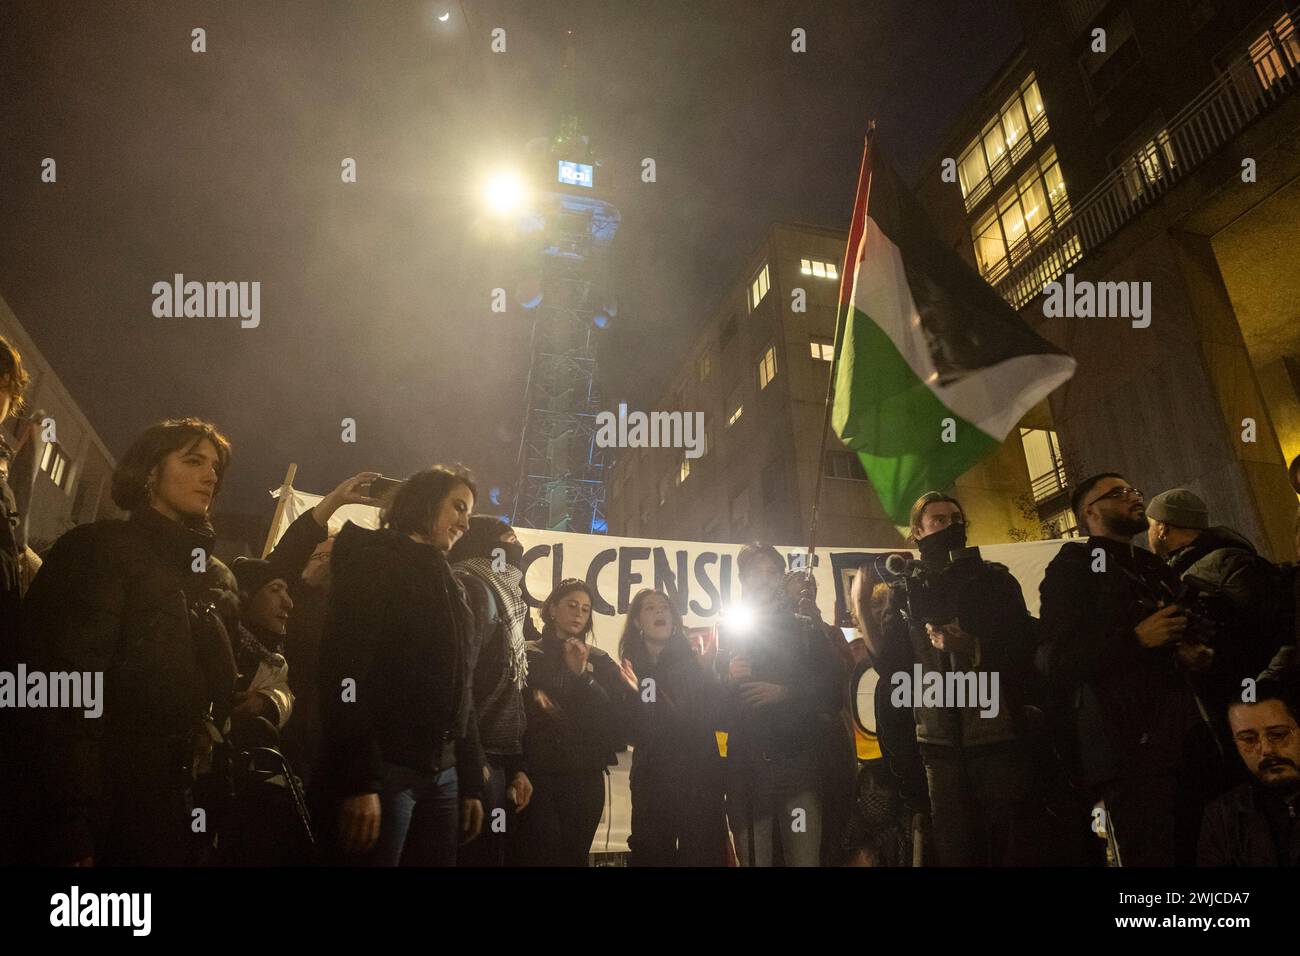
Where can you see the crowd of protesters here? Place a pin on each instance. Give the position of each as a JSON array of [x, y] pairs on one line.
[[385, 697]]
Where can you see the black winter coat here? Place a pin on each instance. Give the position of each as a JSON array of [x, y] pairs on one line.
[[673, 741], [1253, 614], [1131, 707], [586, 731], [397, 626], [787, 649], [116, 597], [1237, 830]]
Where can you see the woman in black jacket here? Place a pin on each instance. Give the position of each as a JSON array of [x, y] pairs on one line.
[[676, 781], [399, 749], [571, 702], [127, 599]]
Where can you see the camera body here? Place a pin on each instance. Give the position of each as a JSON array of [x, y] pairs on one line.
[[930, 594]]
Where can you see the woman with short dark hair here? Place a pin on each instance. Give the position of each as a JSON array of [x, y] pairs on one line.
[[401, 771], [126, 599]]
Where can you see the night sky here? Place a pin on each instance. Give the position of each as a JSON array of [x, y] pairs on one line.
[[375, 296]]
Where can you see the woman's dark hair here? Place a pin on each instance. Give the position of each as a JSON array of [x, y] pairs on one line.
[[567, 586], [13, 377], [923, 502], [413, 505], [632, 644], [130, 489], [482, 538]]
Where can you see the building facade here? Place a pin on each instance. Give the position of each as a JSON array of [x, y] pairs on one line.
[[758, 371], [1151, 141], [72, 473]]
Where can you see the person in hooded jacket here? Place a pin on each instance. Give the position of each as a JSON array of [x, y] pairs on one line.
[[400, 775], [572, 706], [1245, 616], [678, 816], [487, 563], [129, 599]]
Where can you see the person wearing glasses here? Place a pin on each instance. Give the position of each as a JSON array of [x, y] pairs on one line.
[[1258, 822], [1130, 732]]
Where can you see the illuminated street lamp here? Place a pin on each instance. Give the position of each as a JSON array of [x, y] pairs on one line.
[[504, 193]]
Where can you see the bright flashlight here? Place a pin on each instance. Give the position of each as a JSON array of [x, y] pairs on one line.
[[738, 619], [504, 193]]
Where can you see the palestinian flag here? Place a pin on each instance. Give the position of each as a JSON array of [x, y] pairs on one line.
[[922, 338]]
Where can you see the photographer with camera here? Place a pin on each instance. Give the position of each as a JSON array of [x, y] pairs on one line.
[[780, 684], [1110, 652], [952, 619], [1239, 613]]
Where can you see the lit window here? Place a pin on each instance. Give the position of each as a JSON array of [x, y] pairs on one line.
[[734, 408], [758, 289], [704, 365], [994, 146], [767, 367], [822, 349], [1043, 457], [1014, 126], [990, 250], [1033, 99], [684, 471], [818, 269], [1276, 51], [971, 169], [47, 456], [56, 464]]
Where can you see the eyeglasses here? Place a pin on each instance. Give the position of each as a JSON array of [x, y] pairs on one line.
[[1249, 741], [1124, 491]]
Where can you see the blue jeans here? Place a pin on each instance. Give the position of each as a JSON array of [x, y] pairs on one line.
[[419, 823], [784, 795]]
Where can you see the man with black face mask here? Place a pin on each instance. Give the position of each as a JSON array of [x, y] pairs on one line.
[[487, 561], [962, 660], [1128, 722]]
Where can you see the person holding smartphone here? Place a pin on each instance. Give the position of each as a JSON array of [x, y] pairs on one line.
[[401, 773]]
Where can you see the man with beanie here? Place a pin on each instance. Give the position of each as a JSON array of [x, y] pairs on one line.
[[1127, 719], [487, 561], [1236, 618]]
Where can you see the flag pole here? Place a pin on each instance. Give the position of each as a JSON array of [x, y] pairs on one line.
[[286, 491], [856, 228]]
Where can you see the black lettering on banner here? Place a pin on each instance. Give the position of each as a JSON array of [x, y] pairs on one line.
[[724, 579], [676, 585], [531, 555], [626, 576], [702, 561], [598, 603]]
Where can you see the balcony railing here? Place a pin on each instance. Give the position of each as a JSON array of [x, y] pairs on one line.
[[1251, 85], [1079, 13]]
